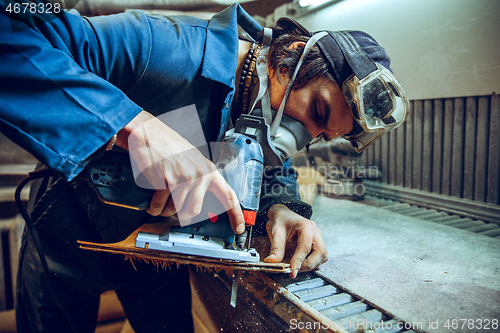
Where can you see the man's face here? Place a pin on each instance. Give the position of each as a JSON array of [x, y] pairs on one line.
[[319, 105]]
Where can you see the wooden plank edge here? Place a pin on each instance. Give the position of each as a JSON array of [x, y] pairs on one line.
[[164, 259]]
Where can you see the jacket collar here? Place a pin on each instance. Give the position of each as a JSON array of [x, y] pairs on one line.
[[221, 49]]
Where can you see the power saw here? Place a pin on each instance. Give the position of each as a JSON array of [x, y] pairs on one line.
[[240, 161]]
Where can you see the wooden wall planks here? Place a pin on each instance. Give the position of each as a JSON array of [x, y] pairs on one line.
[[409, 149], [481, 154], [427, 148], [400, 155], [470, 147], [457, 154], [437, 144], [448, 146], [418, 107], [494, 152]]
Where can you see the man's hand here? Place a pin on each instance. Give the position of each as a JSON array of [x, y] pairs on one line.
[[283, 227], [180, 174]]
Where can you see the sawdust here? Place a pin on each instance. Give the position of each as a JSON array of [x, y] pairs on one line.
[[164, 260]]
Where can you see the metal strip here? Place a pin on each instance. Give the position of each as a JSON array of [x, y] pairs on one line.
[[470, 146], [481, 141], [437, 153], [463, 207], [416, 170], [493, 180], [343, 308], [234, 287], [427, 151], [457, 158]]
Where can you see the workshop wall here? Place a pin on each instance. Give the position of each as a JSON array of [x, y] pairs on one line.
[[445, 53], [447, 146], [439, 49]]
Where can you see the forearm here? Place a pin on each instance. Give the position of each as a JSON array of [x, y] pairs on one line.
[[123, 135]]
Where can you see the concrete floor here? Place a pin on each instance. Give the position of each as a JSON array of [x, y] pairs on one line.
[[421, 272]]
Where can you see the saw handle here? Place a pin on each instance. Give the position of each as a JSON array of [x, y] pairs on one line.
[[112, 179]]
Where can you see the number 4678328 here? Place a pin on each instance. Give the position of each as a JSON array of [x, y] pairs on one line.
[[485, 324], [34, 8]]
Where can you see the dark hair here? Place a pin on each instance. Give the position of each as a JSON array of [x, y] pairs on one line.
[[281, 58]]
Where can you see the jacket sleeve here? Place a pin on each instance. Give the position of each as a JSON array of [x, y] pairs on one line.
[[63, 83], [279, 186]]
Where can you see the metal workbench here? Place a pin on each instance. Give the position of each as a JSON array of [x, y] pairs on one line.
[[385, 268]]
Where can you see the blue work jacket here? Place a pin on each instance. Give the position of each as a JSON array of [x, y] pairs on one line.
[[69, 84]]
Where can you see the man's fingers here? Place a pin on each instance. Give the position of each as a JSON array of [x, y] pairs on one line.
[[315, 259], [304, 246], [228, 198], [278, 244], [158, 202], [318, 256], [152, 177], [169, 209], [192, 204]]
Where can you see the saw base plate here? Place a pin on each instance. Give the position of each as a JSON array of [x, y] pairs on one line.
[[130, 251]]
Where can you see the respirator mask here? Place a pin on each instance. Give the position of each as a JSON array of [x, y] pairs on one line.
[[280, 136], [376, 99]]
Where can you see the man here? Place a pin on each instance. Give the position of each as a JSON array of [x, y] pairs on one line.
[[70, 84]]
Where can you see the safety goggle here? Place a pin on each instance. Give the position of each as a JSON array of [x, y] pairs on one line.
[[378, 104]]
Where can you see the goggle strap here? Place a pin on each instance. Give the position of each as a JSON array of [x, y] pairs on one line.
[[266, 108], [310, 43], [263, 72], [360, 63]]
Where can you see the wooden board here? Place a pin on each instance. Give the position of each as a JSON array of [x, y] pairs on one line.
[[165, 259]]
